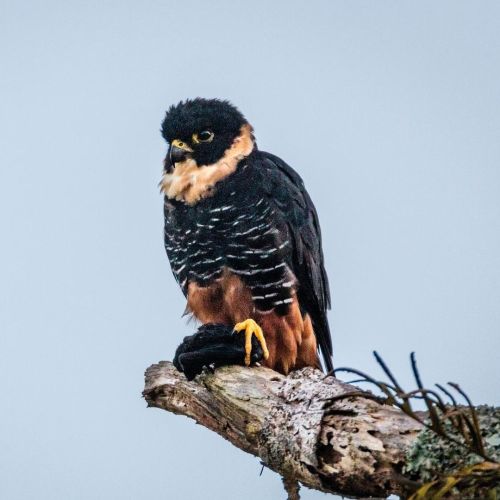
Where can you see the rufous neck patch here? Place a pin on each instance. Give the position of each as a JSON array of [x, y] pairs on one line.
[[190, 183]]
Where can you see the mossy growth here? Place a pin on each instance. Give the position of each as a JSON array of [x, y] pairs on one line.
[[432, 456]]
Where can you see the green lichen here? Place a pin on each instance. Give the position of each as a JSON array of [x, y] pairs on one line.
[[432, 456]]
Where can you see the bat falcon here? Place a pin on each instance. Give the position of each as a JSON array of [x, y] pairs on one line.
[[242, 236]]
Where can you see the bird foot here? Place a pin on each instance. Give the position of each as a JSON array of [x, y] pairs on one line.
[[252, 328]]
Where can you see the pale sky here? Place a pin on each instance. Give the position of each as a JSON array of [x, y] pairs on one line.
[[389, 110]]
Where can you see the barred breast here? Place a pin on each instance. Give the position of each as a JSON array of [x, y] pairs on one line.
[[234, 230]]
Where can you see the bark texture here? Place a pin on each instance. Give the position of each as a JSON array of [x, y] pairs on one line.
[[355, 446]]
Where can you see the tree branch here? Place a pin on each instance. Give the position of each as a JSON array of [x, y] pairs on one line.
[[311, 429], [353, 446]]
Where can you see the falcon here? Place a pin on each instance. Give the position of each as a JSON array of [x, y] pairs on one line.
[[242, 236]]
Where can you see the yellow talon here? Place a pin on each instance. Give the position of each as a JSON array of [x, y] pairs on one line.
[[252, 328]]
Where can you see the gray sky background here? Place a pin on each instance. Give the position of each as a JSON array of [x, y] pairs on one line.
[[389, 110]]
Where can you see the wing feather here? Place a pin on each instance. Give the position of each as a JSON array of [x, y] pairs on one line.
[[287, 193]]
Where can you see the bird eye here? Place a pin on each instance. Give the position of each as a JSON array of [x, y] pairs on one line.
[[205, 136]]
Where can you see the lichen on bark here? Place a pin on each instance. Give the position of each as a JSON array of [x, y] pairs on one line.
[[432, 455]]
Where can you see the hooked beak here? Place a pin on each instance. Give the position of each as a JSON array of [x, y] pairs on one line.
[[179, 151]]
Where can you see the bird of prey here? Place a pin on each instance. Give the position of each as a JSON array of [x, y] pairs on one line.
[[243, 237]]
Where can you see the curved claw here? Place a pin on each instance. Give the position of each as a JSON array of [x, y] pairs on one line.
[[252, 328]]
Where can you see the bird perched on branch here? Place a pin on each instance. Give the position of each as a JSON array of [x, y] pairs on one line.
[[243, 237]]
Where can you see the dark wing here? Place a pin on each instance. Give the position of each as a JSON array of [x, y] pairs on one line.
[[288, 195]]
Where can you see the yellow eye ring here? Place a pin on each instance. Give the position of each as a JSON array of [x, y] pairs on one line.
[[204, 136]]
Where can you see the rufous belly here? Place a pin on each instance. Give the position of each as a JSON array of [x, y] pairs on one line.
[[290, 338]]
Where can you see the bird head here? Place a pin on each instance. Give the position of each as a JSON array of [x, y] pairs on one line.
[[202, 130]]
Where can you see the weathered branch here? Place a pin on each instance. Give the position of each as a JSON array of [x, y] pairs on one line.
[[302, 426]]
